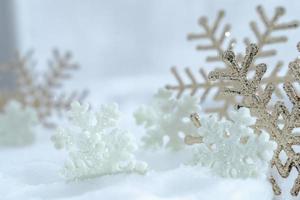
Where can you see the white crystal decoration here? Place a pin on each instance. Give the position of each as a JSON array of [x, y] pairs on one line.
[[167, 117], [231, 148], [17, 124], [95, 144]]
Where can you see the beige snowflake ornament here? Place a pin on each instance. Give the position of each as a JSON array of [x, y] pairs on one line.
[[41, 92], [215, 38], [267, 118]]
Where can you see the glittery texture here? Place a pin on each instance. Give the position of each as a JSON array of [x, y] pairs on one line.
[[267, 119], [275, 187], [190, 140], [264, 37]]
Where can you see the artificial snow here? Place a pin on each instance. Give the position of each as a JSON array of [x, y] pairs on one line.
[[33, 172]]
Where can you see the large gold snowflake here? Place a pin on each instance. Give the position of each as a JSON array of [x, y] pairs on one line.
[[278, 121]]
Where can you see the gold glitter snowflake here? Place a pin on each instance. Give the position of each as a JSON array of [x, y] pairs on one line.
[[267, 118]]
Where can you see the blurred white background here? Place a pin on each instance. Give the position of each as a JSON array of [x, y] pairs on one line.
[[127, 39], [112, 38]]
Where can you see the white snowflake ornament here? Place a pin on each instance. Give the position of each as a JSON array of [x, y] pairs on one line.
[[95, 145], [17, 125], [167, 117], [231, 149]]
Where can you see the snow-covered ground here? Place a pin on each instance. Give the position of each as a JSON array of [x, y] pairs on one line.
[[32, 172]]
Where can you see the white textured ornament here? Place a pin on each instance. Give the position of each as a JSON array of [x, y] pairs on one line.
[[17, 125], [95, 145], [167, 117], [231, 149]]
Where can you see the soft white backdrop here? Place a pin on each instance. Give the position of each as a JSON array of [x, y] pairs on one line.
[[133, 41], [111, 38], [125, 48]]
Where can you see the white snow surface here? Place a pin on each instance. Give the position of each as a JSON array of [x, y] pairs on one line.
[[32, 173]]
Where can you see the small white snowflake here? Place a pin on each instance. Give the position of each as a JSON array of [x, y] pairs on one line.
[[167, 117], [95, 145], [17, 125], [231, 149]]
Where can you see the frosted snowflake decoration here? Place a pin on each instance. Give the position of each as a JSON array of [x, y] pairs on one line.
[[231, 149], [166, 120], [17, 124], [95, 145]]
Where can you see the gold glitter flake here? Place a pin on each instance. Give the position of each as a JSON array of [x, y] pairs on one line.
[[267, 119]]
